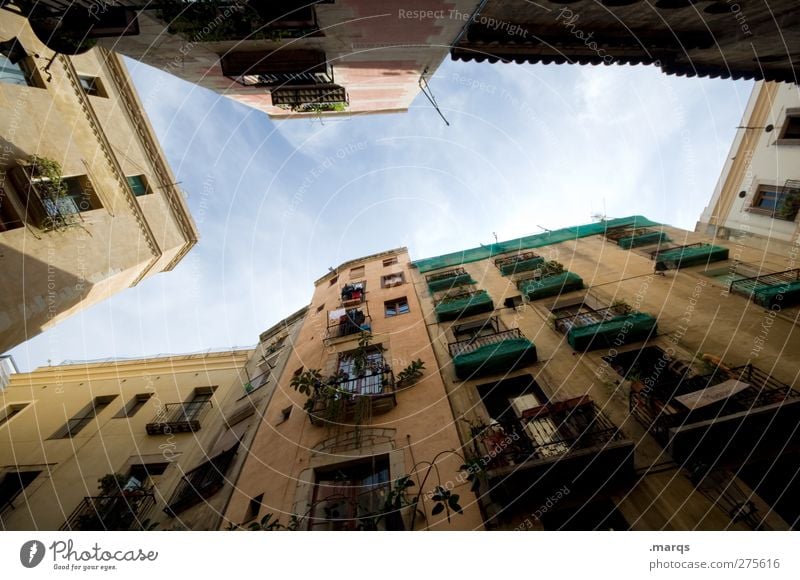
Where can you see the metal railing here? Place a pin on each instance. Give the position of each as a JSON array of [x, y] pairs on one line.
[[617, 234], [354, 321], [658, 409], [179, 417], [567, 322], [459, 295], [469, 345], [452, 273], [552, 430], [298, 98], [746, 286], [507, 261], [376, 380], [656, 253], [121, 512], [201, 482]]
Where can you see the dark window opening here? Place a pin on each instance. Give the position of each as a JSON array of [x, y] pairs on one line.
[[12, 484], [92, 86], [477, 328], [138, 185], [11, 411], [396, 307], [83, 417], [254, 507], [777, 481], [791, 127], [506, 400], [597, 515], [346, 497], [134, 406]]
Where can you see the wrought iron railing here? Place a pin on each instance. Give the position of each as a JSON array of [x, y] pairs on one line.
[[553, 430], [509, 260], [308, 97], [376, 380], [121, 512], [452, 273], [746, 286], [658, 408], [661, 250], [566, 322], [474, 343], [354, 321], [178, 417], [458, 295]]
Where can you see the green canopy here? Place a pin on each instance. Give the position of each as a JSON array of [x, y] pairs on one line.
[[451, 282], [499, 357], [693, 255], [521, 266], [466, 306], [642, 240], [550, 286], [617, 331]]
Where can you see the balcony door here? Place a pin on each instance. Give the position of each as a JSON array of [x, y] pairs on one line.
[[364, 377], [194, 407], [348, 498], [542, 431]]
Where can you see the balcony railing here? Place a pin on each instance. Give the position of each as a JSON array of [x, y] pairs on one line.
[[688, 255], [326, 97], [377, 383], [778, 288], [726, 412], [462, 303], [521, 262], [448, 279], [537, 285], [563, 443], [178, 418], [121, 512], [44, 209], [628, 237], [502, 351], [353, 321], [567, 322]]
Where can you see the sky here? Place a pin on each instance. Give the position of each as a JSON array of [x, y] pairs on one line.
[[279, 202]]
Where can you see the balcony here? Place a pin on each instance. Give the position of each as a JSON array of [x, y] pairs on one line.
[[563, 443], [449, 279], [730, 413], [311, 98], [502, 351], [535, 287], [595, 329], [377, 383], [768, 290], [178, 418], [346, 322], [121, 512], [277, 69], [464, 303], [628, 238], [353, 295], [522, 262], [689, 255], [46, 208]]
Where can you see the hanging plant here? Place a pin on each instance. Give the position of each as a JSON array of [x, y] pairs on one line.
[[411, 374]]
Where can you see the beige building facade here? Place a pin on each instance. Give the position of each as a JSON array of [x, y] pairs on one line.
[[88, 203], [757, 197], [168, 430], [331, 458], [611, 376]]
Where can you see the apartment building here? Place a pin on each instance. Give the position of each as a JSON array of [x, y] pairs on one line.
[[124, 444], [359, 432], [757, 197], [88, 204], [621, 375]]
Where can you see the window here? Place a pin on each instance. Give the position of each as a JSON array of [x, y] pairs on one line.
[[320, 308], [14, 483], [92, 86], [9, 217], [79, 198], [133, 406], [475, 329], [334, 280], [138, 185], [357, 272], [363, 376], [254, 507], [392, 280], [354, 293], [11, 411], [775, 201], [83, 417], [298, 372], [345, 497], [396, 307], [286, 413], [791, 126], [201, 482], [390, 261], [197, 404], [141, 475], [15, 65]]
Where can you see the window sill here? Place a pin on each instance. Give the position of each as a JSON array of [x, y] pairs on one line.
[[769, 214]]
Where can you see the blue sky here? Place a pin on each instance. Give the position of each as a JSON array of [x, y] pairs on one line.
[[278, 202]]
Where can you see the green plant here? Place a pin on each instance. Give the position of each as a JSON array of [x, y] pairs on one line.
[[112, 483], [552, 268], [789, 205], [621, 305], [411, 374]]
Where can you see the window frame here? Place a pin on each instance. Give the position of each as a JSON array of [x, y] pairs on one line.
[[759, 195], [144, 182], [11, 411], [92, 86], [83, 417], [133, 406], [397, 312], [791, 117], [9, 503], [384, 278], [390, 261]]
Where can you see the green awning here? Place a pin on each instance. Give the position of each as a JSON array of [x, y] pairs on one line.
[[448, 283], [691, 256], [768, 296], [642, 240], [619, 330], [466, 306], [503, 356], [552, 285], [521, 266]]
